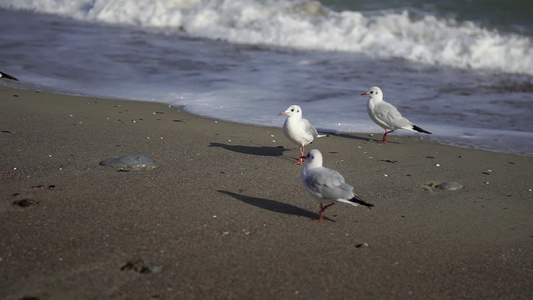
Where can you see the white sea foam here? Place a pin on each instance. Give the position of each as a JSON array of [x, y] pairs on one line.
[[308, 25]]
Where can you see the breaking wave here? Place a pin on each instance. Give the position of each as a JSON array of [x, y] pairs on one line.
[[409, 35]]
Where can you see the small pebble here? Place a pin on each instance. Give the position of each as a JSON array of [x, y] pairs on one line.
[[362, 245]]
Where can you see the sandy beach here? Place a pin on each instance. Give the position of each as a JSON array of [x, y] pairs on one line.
[[224, 214]]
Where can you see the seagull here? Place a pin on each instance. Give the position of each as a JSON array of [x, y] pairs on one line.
[[298, 130], [386, 115], [5, 75], [327, 185]]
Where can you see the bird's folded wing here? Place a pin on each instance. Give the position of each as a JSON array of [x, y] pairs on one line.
[[390, 115], [330, 184], [309, 129]]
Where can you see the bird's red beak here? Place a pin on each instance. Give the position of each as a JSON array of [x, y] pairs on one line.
[[282, 113], [364, 94]]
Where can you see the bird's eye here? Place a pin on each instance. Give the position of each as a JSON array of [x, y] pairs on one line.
[[298, 111], [292, 109]]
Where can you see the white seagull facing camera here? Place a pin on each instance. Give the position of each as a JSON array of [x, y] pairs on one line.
[[298, 130], [327, 185], [386, 115]]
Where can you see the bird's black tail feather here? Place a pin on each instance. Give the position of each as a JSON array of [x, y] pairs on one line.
[[5, 75], [360, 201], [420, 129]]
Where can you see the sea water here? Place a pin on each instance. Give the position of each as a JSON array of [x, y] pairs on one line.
[[460, 69]]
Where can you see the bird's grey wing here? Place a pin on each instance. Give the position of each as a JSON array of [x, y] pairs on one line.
[[390, 114], [309, 129], [329, 184]]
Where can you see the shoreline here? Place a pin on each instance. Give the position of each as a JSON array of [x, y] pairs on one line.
[[447, 139], [224, 215]]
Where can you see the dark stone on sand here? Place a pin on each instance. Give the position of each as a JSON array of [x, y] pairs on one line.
[[139, 266]]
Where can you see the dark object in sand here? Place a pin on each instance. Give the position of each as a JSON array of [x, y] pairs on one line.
[[139, 266], [362, 245], [25, 202], [29, 298]]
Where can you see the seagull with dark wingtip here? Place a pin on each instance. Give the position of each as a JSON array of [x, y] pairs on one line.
[[386, 115], [327, 185]]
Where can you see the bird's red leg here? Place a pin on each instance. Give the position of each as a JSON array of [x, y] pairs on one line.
[[302, 156], [322, 209], [384, 141], [328, 206]]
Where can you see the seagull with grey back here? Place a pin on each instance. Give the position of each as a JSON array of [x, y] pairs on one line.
[[386, 115], [327, 185]]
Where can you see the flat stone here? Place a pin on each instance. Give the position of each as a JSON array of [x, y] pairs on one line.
[[132, 161], [450, 186]]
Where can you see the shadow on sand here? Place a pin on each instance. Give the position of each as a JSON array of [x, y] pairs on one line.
[[262, 150], [274, 206]]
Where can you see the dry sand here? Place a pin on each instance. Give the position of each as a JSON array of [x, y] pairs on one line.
[[224, 215]]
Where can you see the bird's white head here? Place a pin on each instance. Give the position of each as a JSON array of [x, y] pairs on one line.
[[292, 111], [314, 159], [374, 92]]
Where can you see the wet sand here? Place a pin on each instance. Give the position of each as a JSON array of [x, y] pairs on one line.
[[225, 216]]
